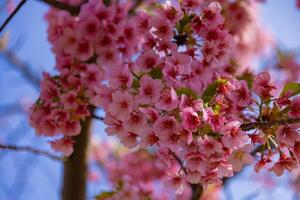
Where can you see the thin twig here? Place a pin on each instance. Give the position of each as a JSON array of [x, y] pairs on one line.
[[97, 117], [31, 150], [179, 161], [22, 67], [12, 15], [266, 124]]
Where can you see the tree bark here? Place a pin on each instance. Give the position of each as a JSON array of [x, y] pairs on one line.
[[75, 168], [197, 191]]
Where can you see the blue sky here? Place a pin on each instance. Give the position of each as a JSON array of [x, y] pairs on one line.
[[27, 177]]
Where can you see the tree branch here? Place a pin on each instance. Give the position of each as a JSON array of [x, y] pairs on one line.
[[75, 168], [266, 124], [31, 150], [22, 67], [73, 10], [197, 189], [12, 15]]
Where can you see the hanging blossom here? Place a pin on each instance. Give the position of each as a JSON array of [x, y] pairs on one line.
[[165, 80], [137, 175]]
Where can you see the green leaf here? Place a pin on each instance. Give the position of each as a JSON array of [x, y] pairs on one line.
[[295, 87], [105, 195], [156, 73], [186, 91], [210, 91], [136, 84]]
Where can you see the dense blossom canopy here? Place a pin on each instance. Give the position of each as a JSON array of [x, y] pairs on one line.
[[173, 77]]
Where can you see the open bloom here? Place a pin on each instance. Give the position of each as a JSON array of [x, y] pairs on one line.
[[288, 135], [284, 163], [168, 100], [295, 107], [241, 157], [64, 145], [262, 85], [233, 137], [121, 105], [190, 119], [149, 91]]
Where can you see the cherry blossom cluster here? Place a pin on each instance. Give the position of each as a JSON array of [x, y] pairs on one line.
[[100, 36], [137, 175], [170, 77]]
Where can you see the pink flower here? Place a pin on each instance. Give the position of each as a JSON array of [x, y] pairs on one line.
[[262, 85], [192, 4], [296, 151], [168, 100], [216, 121], [129, 139], [147, 61], [212, 16], [93, 75], [142, 21], [151, 114], [170, 13], [163, 28], [64, 145], [121, 105], [180, 59], [148, 137], [83, 50], [288, 135], [149, 91], [136, 122], [209, 146], [176, 182], [241, 94], [103, 96], [47, 127], [165, 123], [71, 128], [195, 162], [193, 177], [225, 170], [69, 100], [187, 101], [190, 119], [114, 126], [284, 163], [295, 108], [241, 157], [89, 28], [120, 77], [233, 137]]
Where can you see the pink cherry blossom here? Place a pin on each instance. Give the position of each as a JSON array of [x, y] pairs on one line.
[[149, 91], [190, 119], [121, 105], [120, 77], [241, 157], [147, 61], [64, 145], [288, 135], [262, 85], [295, 108], [284, 163], [168, 100], [233, 137]]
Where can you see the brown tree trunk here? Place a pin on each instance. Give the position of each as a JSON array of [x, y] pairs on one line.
[[197, 191], [75, 168]]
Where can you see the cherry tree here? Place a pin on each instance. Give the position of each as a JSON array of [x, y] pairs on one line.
[[179, 90]]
